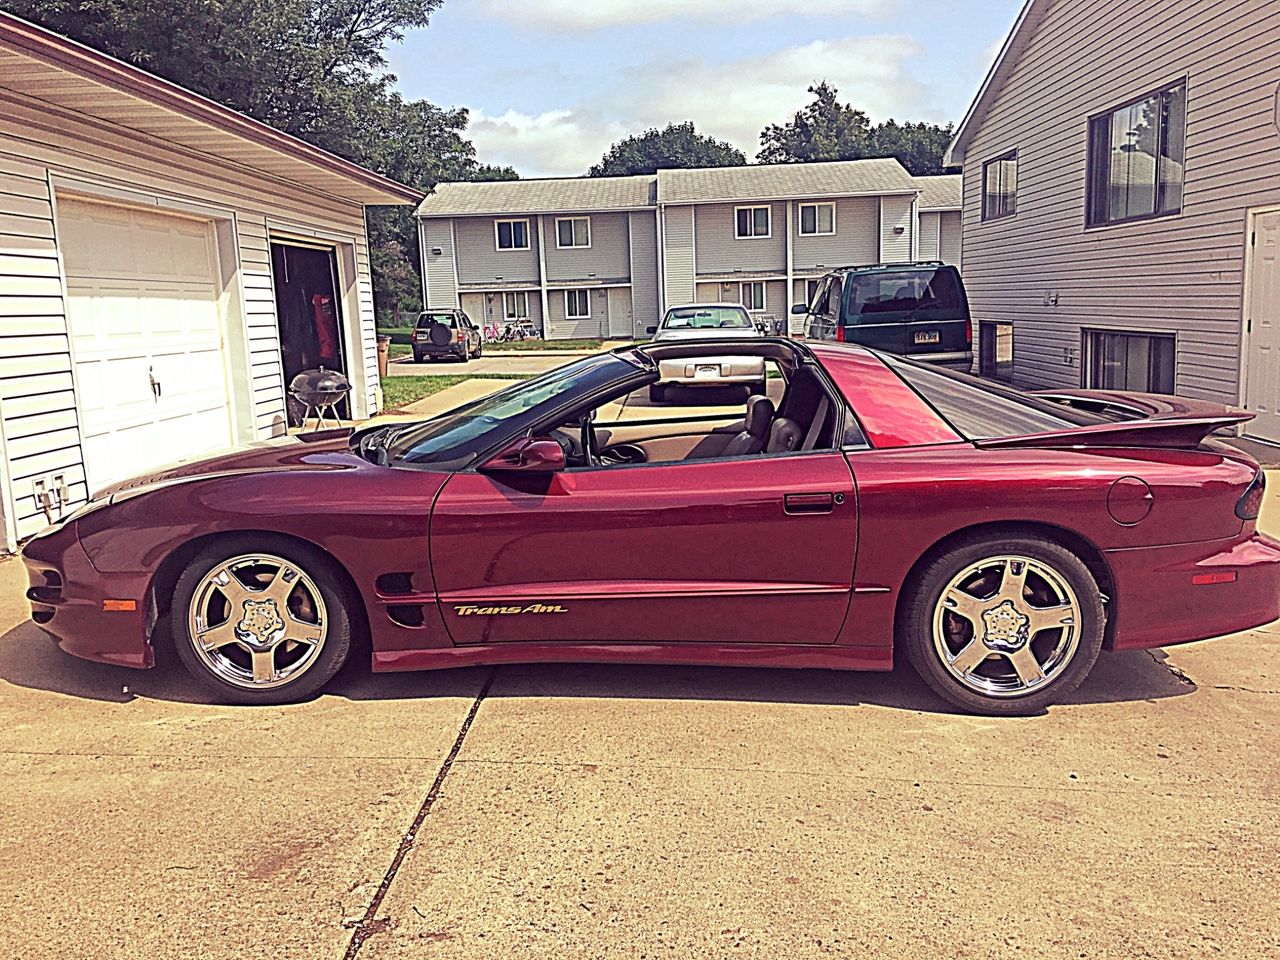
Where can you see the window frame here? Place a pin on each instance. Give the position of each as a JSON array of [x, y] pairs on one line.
[[817, 285], [1090, 345], [816, 232], [987, 214], [1091, 158], [767, 207], [764, 295], [586, 297], [573, 246], [516, 318], [497, 235]]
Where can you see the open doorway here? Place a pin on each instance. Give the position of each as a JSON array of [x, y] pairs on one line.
[[309, 314]]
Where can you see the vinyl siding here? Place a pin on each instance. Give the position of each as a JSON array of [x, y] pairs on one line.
[[560, 328], [1181, 274], [896, 212], [439, 282], [480, 260], [930, 230], [856, 239], [483, 312], [949, 236], [719, 251], [679, 255], [38, 414], [606, 260], [644, 269]]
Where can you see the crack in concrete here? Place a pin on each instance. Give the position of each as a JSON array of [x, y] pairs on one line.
[[1220, 686], [370, 923], [1177, 673]]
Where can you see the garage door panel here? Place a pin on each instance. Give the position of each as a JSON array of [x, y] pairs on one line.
[[143, 308]]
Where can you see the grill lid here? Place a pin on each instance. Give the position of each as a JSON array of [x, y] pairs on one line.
[[319, 386]]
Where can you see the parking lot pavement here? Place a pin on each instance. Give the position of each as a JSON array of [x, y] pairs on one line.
[[612, 811]]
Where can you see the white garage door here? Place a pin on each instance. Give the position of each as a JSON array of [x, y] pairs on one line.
[[146, 333]]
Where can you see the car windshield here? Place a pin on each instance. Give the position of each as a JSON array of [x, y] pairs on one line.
[[707, 318], [983, 410], [464, 432], [427, 319], [902, 291]]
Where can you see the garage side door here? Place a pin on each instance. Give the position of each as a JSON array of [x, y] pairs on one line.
[[142, 307]]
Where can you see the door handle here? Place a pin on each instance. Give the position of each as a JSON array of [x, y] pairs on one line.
[[801, 503]]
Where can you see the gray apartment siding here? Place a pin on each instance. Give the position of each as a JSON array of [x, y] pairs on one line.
[[930, 236], [856, 239], [644, 269], [719, 251], [1181, 274], [607, 259], [480, 260], [439, 282], [561, 328], [678, 254], [896, 213], [950, 236]]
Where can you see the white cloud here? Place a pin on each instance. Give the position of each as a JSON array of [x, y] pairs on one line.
[[731, 101], [596, 14]]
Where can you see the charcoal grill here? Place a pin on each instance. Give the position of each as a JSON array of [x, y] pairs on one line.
[[321, 391]]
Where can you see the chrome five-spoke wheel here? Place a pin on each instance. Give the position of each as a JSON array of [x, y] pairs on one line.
[[1006, 625], [260, 619]]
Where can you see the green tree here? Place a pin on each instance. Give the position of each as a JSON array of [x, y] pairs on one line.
[[679, 145], [312, 68], [827, 129]]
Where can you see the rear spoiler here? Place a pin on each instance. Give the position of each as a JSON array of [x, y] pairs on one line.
[[1151, 420]]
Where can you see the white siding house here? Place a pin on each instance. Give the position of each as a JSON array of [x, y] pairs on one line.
[[139, 317], [1122, 198]]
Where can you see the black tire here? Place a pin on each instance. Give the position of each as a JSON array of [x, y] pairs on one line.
[[318, 567], [916, 625], [419, 357], [465, 355], [439, 334], [657, 393], [479, 349]]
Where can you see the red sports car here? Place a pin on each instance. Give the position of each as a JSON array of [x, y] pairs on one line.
[[871, 506]]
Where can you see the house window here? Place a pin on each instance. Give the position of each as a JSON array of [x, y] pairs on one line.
[[573, 232], [515, 305], [577, 304], [1131, 361], [751, 295], [817, 219], [512, 234], [1000, 187], [1136, 157], [752, 222]]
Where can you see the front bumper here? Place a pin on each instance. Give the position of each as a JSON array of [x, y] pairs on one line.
[[1157, 602], [712, 371], [66, 595]]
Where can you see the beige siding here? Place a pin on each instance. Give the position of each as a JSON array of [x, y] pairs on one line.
[[607, 260], [560, 328], [1180, 274], [855, 241], [678, 255], [37, 402], [896, 213], [644, 269], [720, 251], [930, 231], [949, 236], [480, 260], [483, 310], [438, 279]]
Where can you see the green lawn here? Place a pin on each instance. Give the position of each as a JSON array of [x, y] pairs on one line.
[[399, 350], [401, 391]]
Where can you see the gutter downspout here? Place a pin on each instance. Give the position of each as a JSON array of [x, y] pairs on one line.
[[791, 283], [542, 276]]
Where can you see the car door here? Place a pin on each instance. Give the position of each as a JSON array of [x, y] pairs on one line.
[[751, 550]]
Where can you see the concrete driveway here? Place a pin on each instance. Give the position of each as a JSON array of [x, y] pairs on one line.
[[611, 811]]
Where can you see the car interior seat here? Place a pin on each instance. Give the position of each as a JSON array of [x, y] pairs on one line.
[[756, 429]]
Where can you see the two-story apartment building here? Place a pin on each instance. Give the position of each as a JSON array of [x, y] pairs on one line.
[[603, 257], [1122, 198]]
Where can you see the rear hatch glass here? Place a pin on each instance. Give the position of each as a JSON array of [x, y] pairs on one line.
[[883, 296], [427, 319]]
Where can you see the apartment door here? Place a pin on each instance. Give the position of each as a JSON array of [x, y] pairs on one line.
[[620, 312], [1262, 323]]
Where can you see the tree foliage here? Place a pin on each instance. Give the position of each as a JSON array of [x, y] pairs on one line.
[[312, 68], [827, 129], [679, 145]]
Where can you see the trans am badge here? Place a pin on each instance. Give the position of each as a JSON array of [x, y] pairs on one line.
[[468, 610]]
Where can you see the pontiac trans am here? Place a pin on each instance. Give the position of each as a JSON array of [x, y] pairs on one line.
[[872, 508]]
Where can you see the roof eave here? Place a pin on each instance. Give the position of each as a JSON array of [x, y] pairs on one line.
[[912, 191], [77, 58], [558, 212]]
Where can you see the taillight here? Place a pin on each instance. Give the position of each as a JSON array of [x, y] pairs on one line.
[[1250, 503], [840, 333], [462, 337], [968, 331]]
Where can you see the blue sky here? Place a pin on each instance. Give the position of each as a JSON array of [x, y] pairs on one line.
[[551, 83]]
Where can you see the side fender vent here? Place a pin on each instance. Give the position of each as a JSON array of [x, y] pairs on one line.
[[406, 614], [395, 584]]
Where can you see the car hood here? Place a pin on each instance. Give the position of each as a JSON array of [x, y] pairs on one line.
[[325, 450]]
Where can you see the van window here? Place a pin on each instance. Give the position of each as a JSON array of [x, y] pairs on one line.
[[920, 292]]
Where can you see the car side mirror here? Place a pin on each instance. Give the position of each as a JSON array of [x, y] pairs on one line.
[[651, 329], [799, 308], [527, 455]]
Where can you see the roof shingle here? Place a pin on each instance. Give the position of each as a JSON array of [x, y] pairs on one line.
[[538, 196], [782, 181], [941, 192]]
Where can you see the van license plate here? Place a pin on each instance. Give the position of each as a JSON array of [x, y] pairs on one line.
[[707, 371], [926, 336]]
